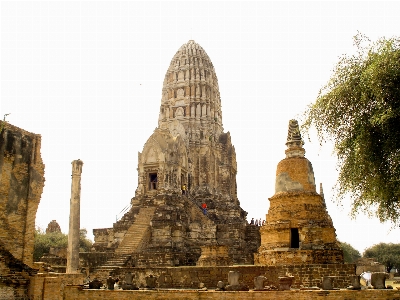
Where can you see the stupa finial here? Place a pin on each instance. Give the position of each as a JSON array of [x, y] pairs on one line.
[[294, 141]]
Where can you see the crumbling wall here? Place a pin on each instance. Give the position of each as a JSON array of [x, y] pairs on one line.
[[189, 277], [51, 286], [21, 186]]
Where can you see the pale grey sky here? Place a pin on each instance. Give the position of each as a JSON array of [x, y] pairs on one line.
[[87, 76]]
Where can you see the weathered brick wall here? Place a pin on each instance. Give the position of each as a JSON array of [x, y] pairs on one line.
[[190, 277], [14, 276], [299, 257], [6, 292], [76, 293], [51, 286], [21, 186], [14, 289]]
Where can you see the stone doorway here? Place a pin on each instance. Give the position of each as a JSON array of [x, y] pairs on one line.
[[294, 238]]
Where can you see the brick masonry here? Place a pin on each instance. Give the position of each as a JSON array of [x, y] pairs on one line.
[[21, 186], [190, 277]]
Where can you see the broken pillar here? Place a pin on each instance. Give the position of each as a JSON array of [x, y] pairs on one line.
[[378, 280], [74, 218]]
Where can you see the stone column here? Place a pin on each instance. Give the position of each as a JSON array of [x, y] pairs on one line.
[[74, 218]]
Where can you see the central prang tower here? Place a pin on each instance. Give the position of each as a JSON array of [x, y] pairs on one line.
[[190, 114], [189, 147]]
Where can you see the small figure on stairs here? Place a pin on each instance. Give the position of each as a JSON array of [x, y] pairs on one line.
[[184, 189], [204, 207]]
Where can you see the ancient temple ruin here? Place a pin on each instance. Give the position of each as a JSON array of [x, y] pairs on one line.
[[188, 162], [298, 228]]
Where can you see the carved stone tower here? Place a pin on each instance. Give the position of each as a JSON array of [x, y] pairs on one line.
[[190, 117], [298, 228], [188, 148], [74, 218]]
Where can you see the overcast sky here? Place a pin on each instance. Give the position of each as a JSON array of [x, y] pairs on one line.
[[88, 76]]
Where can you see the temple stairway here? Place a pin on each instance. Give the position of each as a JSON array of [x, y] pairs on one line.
[[132, 239], [135, 234]]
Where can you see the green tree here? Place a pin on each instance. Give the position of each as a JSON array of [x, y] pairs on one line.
[[44, 241], [386, 254], [350, 254], [359, 111], [84, 243]]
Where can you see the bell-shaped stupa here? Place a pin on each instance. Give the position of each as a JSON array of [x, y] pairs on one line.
[[298, 228]]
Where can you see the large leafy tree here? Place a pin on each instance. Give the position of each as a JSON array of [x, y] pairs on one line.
[[359, 110], [386, 254], [349, 252]]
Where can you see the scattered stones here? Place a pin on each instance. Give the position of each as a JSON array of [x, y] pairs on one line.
[[285, 283], [234, 285], [233, 278], [110, 283], [128, 284], [259, 282], [354, 282], [327, 282], [151, 281], [378, 280], [95, 284], [202, 287], [220, 286]]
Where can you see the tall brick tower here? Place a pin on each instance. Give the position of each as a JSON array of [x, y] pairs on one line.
[[298, 228]]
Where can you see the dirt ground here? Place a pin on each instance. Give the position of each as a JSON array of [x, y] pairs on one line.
[[395, 283]]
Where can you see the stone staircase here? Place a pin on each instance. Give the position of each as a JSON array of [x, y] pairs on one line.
[[135, 234], [114, 262], [131, 241]]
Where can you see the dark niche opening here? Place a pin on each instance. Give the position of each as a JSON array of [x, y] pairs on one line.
[[294, 238], [152, 181]]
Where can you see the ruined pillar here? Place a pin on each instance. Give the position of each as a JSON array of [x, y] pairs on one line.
[[74, 218]]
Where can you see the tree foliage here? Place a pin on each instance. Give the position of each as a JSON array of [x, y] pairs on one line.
[[359, 111], [350, 254], [44, 241], [386, 254]]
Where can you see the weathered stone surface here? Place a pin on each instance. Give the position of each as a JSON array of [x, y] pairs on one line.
[[259, 283], [365, 264], [327, 282], [378, 280], [354, 282], [14, 276], [214, 255], [285, 282], [233, 278], [74, 219], [298, 228], [151, 281], [21, 186]]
